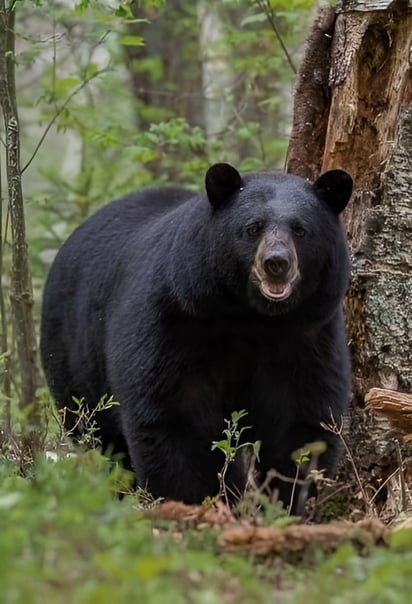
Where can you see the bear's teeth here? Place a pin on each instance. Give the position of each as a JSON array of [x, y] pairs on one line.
[[276, 291], [277, 288]]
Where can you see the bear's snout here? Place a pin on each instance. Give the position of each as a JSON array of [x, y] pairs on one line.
[[275, 270], [277, 266]]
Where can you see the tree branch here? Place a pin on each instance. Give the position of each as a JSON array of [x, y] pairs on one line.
[[267, 9], [56, 115]]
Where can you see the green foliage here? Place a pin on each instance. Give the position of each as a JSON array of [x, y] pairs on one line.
[[65, 538], [382, 577], [232, 446], [101, 142], [84, 420]]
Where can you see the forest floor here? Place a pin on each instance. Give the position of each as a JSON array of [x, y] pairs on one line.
[[66, 537]]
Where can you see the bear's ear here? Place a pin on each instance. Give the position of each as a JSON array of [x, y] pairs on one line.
[[334, 187], [222, 180]]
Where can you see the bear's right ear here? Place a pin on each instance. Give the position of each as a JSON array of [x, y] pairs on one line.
[[334, 187], [222, 180]]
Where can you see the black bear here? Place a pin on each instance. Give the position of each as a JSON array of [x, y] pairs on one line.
[[186, 307]]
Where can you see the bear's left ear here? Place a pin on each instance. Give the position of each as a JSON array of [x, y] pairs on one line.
[[222, 180], [334, 187]]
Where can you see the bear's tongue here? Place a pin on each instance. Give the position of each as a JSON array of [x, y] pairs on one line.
[[276, 291]]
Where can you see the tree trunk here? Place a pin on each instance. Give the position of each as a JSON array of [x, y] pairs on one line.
[[356, 114], [163, 75], [21, 284], [217, 77]]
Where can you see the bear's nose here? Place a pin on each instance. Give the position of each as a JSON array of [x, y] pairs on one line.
[[276, 266]]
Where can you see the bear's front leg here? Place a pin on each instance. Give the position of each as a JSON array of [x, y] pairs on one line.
[[290, 483], [174, 460]]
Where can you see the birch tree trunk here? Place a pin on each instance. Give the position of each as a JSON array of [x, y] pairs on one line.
[[353, 110], [21, 284], [217, 76]]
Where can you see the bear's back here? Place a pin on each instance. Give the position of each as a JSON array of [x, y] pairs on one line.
[[139, 208], [104, 233]]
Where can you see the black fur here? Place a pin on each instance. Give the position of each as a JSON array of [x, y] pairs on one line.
[[159, 300]]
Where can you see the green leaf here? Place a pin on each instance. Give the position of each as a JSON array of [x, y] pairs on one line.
[[130, 40], [237, 415], [65, 85], [256, 448], [222, 445], [81, 5], [258, 18], [91, 71]]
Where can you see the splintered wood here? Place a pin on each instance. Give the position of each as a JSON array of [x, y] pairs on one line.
[[300, 537], [396, 406]]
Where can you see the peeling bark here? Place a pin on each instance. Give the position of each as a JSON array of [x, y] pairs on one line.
[[368, 125], [369, 133], [396, 406]]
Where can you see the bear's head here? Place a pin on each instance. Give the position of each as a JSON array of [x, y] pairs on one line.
[[282, 246]]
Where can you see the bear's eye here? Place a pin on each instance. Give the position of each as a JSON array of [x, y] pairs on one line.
[[299, 230], [254, 228]]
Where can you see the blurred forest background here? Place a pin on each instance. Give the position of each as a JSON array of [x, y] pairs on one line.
[[113, 96]]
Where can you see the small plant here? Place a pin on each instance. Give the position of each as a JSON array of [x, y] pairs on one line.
[[306, 460], [231, 446], [85, 428], [300, 457], [338, 431], [260, 504]]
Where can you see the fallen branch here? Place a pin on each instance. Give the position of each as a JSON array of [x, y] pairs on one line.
[[298, 537]]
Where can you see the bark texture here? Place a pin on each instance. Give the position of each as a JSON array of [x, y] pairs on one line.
[[370, 135], [21, 285], [366, 129], [312, 99]]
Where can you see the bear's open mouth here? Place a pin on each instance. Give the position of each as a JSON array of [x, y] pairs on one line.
[[276, 291]]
